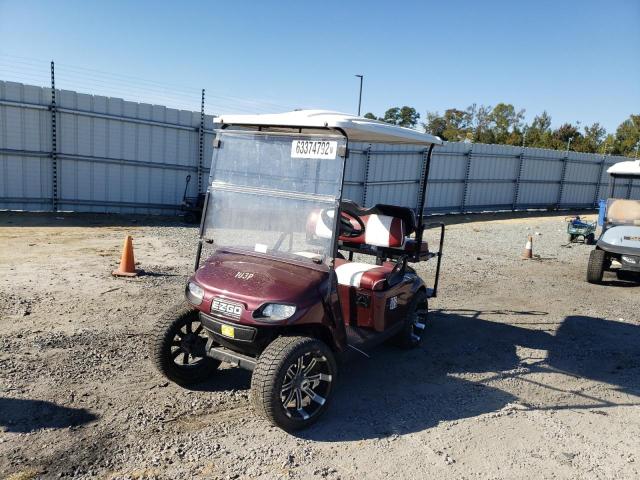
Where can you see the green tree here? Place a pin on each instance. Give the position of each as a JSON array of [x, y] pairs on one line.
[[566, 134], [404, 117], [505, 122], [592, 139], [628, 136], [435, 125], [480, 123], [538, 134], [457, 125], [370, 116]]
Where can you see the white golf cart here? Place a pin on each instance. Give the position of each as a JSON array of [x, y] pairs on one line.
[[618, 248]]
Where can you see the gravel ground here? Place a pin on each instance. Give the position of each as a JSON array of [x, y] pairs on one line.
[[527, 371]]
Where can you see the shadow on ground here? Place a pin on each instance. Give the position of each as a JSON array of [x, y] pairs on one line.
[[398, 392], [401, 392], [20, 415]]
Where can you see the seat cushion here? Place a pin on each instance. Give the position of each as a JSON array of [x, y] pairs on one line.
[[363, 275]]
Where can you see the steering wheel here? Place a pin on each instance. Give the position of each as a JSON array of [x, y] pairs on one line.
[[346, 227]]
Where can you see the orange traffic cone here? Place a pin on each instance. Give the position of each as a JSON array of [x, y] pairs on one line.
[[528, 248], [127, 263]]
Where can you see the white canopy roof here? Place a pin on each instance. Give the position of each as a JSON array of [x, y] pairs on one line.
[[358, 129], [632, 167]]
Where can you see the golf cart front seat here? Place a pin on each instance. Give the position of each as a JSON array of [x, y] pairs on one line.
[[365, 275]]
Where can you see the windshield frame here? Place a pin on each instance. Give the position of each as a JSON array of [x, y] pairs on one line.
[[291, 132]]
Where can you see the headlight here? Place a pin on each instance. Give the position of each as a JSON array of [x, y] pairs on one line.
[[277, 311], [195, 293], [630, 259]]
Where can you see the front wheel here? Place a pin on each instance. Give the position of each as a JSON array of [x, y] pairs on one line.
[[293, 381], [595, 269], [178, 346], [590, 239]]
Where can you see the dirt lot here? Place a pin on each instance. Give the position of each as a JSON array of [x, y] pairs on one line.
[[527, 370]]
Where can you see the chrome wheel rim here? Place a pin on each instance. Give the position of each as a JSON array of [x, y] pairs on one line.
[[187, 344], [306, 386], [419, 325]]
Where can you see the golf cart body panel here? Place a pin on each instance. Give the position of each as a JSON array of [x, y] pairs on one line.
[[294, 186], [620, 236], [275, 293]]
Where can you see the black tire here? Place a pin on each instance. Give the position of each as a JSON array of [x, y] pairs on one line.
[[191, 217], [414, 330], [570, 238], [590, 239], [595, 269], [310, 389], [177, 346]]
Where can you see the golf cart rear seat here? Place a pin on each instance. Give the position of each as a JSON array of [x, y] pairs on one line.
[[388, 229]]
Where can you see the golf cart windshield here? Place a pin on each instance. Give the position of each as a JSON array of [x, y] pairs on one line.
[[265, 189], [621, 209]]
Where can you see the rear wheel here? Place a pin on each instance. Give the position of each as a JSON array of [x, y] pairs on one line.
[[191, 217], [595, 269], [590, 239], [416, 323], [293, 381], [570, 238], [178, 346]]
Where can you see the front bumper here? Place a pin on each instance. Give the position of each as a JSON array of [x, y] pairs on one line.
[[244, 339], [630, 266]]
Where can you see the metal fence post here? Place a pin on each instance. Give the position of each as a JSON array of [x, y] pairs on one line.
[[54, 143], [201, 144], [423, 174], [629, 187], [565, 160], [516, 186], [366, 177], [465, 191], [598, 181]]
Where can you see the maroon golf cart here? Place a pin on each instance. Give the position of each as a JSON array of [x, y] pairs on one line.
[[297, 277]]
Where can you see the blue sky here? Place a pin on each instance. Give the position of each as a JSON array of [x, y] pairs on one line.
[[579, 60]]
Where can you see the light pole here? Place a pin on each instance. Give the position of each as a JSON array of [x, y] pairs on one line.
[[361, 77]]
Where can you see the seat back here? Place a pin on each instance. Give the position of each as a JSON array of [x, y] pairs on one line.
[[381, 230]]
